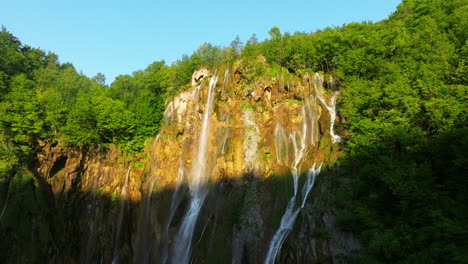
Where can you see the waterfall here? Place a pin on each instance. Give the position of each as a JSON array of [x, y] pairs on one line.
[[290, 215], [310, 114], [307, 187], [298, 153], [281, 145], [176, 197], [331, 107], [287, 221], [116, 257], [144, 242], [251, 140], [198, 179]]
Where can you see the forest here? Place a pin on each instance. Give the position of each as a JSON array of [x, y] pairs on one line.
[[403, 85]]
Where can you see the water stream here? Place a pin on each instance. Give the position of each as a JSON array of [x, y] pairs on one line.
[[116, 257], [144, 242], [331, 106], [197, 183], [298, 140], [175, 201]]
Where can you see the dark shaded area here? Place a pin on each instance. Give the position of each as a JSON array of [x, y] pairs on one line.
[[404, 197], [408, 199], [80, 226], [58, 165]]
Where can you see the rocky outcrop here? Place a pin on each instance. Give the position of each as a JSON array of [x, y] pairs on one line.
[[199, 74], [244, 169], [82, 169], [255, 128], [83, 186]]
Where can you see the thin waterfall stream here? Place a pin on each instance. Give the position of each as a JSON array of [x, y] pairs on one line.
[[116, 257], [299, 148], [331, 106], [143, 239], [197, 183], [176, 198]]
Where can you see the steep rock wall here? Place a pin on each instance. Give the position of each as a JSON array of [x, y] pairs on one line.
[[249, 170], [256, 127]]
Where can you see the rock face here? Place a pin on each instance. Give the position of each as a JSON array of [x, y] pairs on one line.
[[84, 187], [199, 74], [256, 127]]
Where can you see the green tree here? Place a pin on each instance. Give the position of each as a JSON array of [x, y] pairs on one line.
[[237, 45]]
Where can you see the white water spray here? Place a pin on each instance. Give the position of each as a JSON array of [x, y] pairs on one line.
[[174, 204], [307, 187], [198, 179], [290, 215], [144, 242], [331, 107]]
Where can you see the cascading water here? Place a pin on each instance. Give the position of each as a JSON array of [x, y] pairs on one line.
[[116, 257], [295, 135], [310, 114], [176, 198], [145, 225], [331, 107], [198, 179], [290, 215], [144, 242], [307, 187], [281, 144], [251, 140]]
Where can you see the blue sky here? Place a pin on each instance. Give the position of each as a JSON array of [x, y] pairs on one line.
[[119, 37]]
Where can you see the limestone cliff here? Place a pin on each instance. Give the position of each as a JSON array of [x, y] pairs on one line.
[[262, 131]]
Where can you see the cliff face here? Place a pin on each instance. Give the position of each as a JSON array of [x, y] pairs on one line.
[[83, 189], [231, 177]]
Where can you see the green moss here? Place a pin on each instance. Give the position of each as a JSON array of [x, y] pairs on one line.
[[247, 105], [292, 102], [325, 142], [116, 198], [138, 164], [223, 104], [101, 190]]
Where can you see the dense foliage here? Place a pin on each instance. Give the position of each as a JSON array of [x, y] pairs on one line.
[[403, 84]]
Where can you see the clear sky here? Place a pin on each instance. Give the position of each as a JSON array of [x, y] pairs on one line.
[[118, 37]]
